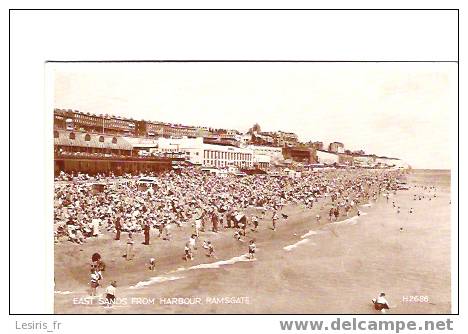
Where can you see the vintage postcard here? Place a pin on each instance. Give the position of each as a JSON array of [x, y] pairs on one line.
[[252, 187]]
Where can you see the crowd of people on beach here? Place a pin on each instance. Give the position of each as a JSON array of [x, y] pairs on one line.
[[190, 197], [193, 201]]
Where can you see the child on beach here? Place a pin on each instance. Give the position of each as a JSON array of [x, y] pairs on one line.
[[274, 220], [188, 252], [152, 264], [209, 247], [336, 212], [110, 294], [238, 235], [380, 303], [241, 225], [255, 223], [94, 283], [252, 248]]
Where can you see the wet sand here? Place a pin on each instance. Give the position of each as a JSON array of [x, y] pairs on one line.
[[303, 267]]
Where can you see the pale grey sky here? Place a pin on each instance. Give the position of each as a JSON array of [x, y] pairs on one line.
[[393, 109]]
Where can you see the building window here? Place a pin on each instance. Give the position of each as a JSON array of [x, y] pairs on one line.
[[87, 137], [101, 139], [56, 134], [72, 135], [114, 140]]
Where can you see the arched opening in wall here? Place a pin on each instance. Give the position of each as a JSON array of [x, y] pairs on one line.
[[56, 134], [101, 139], [114, 140], [72, 135], [87, 137]]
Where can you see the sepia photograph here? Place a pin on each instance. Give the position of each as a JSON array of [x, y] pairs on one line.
[[251, 187]]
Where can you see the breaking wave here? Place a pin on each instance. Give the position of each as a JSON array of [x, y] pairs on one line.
[[300, 242], [153, 280]]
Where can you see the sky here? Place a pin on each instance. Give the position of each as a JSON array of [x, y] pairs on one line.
[[403, 110]]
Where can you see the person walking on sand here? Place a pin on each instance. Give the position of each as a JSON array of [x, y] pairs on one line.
[[252, 248], [188, 251], [274, 219], [238, 235], [95, 277], [198, 221], [336, 213], [215, 221], [130, 242], [152, 264], [255, 223], [242, 225], [209, 247], [192, 242], [160, 227], [147, 230], [118, 228]]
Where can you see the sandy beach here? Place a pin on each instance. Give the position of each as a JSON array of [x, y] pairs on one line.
[[303, 267]]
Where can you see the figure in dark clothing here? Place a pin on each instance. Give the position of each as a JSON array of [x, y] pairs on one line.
[[118, 228], [337, 213], [147, 229], [215, 222]]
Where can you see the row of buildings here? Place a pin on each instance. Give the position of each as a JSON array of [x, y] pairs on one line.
[[103, 144], [74, 120], [200, 152]]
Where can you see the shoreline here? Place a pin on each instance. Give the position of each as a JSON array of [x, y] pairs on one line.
[[298, 228]]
